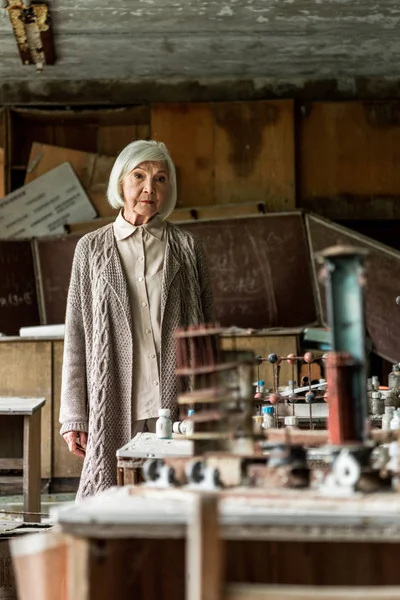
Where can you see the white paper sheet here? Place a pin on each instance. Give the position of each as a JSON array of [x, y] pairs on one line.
[[45, 205]]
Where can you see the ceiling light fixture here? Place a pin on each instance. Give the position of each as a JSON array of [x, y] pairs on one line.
[[31, 23]]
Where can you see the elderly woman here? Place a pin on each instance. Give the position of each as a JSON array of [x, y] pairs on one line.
[[132, 284]]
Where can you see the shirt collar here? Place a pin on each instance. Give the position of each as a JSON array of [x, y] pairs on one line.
[[123, 229]]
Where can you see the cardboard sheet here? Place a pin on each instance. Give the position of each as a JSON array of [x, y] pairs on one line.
[[92, 171], [45, 205]]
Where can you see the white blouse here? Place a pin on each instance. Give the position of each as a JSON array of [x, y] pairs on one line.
[[141, 249]]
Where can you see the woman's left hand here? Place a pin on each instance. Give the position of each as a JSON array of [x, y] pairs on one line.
[[76, 441]]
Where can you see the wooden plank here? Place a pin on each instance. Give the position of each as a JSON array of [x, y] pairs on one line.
[[92, 131], [78, 564], [187, 131], [204, 551], [282, 592], [31, 473], [254, 153], [113, 138], [65, 464], [92, 170], [11, 485], [101, 569], [11, 439], [11, 463], [348, 158], [309, 52], [25, 368], [2, 158], [257, 15], [282, 345], [13, 405], [2, 178]]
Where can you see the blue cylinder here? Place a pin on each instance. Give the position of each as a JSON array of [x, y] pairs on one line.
[[344, 284]]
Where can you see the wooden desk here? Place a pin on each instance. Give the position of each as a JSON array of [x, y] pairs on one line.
[[130, 458], [32, 367], [283, 537], [20, 446]]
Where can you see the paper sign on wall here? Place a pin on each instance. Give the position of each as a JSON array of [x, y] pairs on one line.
[[45, 205]]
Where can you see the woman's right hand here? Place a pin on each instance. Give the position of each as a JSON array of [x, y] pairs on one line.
[[76, 441]]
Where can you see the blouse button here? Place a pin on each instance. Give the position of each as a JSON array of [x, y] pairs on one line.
[[144, 303]]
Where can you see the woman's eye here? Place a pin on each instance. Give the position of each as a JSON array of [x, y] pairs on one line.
[[137, 175], [161, 179]]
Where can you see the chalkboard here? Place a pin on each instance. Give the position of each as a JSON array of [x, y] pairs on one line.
[[18, 297], [383, 283], [260, 270], [54, 257]]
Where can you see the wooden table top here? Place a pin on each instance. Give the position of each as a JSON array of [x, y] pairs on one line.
[[245, 513], [15, 405]]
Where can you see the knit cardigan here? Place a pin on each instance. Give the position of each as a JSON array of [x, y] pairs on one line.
[[96, 393]]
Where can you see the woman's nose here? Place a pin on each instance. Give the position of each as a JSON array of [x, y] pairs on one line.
[[149, 186]]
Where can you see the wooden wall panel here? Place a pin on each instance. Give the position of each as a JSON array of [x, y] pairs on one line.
[[187, 130], [2, 147], [65, 464], [254, 153], [25, 370], [98, 131], [348, 159], [230, 153]]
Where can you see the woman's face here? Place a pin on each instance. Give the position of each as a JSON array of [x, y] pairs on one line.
[[145, 189]]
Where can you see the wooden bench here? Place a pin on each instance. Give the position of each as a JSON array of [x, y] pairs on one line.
[[20, 447]]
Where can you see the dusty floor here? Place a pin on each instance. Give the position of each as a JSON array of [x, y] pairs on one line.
[[14, 504]]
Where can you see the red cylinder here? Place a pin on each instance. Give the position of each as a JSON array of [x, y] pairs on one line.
[[342, 422]]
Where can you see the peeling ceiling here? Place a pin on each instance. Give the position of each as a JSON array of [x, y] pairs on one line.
[[98, 39]]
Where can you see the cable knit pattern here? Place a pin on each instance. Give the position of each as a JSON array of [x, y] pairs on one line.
[[96, 394]]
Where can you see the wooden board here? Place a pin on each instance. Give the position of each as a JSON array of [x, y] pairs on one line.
[[383, 277], [54, 262], [232, 152], [11, 439], [348, 159], [254, 153], [18, 296], [65, 464], [2, 156], [92, 170], [282, 345], [25, 370], [260, 270], [94, 131], [187, 131], [2, 179], [15, 405], [273, 592]]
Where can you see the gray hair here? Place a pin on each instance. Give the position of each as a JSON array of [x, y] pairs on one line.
[[133, 155]]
